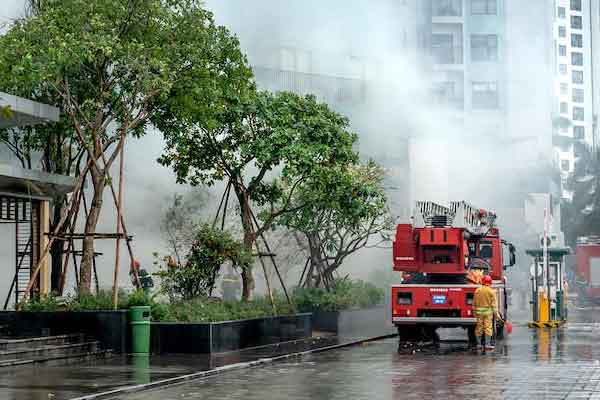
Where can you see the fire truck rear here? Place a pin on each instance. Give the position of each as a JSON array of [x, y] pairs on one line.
[[435, 253]]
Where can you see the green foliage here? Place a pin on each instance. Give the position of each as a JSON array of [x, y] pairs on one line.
[[112, 65], [44, 303], [197, 276], [347, 197], [101, 301], [345, 294], [90, 302], [206, 310], [258, 133], [252, 136], [5, 112], [343, 210]]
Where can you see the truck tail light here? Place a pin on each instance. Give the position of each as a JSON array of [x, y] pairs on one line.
[[470, 298], [404, 298]]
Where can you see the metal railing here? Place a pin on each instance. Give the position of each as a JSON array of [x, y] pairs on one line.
[[327, 88]]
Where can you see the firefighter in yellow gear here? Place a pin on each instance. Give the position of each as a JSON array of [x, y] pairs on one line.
[[485, 308]]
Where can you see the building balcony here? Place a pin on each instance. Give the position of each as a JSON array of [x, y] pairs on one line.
[[446, 8], [447, 56], [331, 89]]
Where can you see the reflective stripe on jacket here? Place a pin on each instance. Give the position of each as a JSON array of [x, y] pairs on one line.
[[484, 301], [483, 311]]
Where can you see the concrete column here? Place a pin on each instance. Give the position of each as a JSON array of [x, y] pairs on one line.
[[44, 226]]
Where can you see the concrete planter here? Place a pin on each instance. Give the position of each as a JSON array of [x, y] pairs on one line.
[[372, 321], [110, 328], [219, 337]]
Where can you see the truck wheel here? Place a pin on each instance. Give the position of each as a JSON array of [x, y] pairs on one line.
[[417, 334], [408, 333], [430, 335]]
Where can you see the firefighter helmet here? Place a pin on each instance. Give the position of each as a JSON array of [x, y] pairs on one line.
[[487, 280]]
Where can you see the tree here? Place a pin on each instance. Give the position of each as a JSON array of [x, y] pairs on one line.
[[581, 215], [258, 143], [112, 64], [180, 221], [344, 211], [197, 276]]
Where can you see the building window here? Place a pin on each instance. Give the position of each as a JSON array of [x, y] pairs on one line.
[[579, 132], [564, 108], [484, 7], [445, 92], [578, 95], [564, 165], [562, 68], [577, 77], [442, 46], [484, 47], [576, 22], [562, 31], [561, 12], [576, 5], [447, 8], [562, 50], [576, 58], [576, 40], [564, 89], [578, 114], [485, 95]]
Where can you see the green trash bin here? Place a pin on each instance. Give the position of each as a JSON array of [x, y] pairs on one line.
[[140, 329]]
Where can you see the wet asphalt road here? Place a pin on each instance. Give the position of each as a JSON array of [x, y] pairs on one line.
[[545, 364]]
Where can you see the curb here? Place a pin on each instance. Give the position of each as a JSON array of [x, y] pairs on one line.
[[219, 370]]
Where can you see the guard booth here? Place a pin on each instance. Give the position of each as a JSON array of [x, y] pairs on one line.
[[548, 287], [25, 197]]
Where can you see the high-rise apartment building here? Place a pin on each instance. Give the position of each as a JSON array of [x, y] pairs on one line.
[[493, 67], [573, 84]]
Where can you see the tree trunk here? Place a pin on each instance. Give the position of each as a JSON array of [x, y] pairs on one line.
[[56, 251], [314, 278], [87, 260], [249, 238]]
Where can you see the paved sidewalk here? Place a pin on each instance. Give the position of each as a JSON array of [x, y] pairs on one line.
[[43, 382]]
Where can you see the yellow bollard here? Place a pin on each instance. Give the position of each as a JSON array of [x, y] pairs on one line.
[[544, 306]]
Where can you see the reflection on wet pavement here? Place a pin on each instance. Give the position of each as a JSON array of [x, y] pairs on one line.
[[543, 364]]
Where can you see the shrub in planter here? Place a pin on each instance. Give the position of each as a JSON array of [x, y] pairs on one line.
[[196, 277], [102, 301], [209, 310], [344, 295]]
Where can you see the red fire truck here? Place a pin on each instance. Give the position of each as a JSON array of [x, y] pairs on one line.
[[436, 252], [587, 270]]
